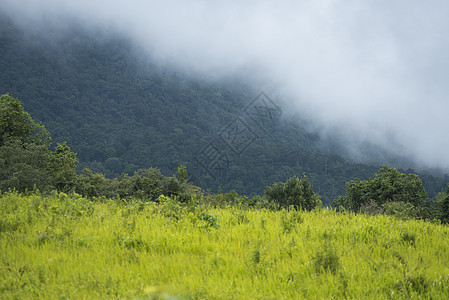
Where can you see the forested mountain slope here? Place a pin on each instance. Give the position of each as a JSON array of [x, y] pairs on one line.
[[120, 112]]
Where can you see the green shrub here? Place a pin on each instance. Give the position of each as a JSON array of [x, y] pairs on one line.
[[295, 192]]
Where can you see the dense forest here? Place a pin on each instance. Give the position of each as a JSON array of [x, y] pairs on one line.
[[120, 112]]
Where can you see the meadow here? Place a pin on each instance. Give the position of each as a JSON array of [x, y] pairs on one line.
[[63, 246]]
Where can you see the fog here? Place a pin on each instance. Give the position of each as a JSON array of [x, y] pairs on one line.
[[370, 71]]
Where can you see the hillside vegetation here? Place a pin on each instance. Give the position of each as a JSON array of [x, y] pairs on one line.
[[121, 112], [65, 246]]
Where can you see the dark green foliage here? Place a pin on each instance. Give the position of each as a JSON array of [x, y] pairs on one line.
[[225, 200], [23, 166], [143, 185], [444, 210], [93, 185], [182, 174], [146, 184], [294, 192], [16, 124], [62, 167], [26, 161], [442, 206], [171, 186], [388, 185]]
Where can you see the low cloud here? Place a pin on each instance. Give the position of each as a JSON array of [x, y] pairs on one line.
[[374, 71]]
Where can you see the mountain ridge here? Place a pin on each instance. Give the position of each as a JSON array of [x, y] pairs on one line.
[[120, 112]]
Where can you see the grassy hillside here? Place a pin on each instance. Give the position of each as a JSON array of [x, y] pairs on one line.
[[66, 247]]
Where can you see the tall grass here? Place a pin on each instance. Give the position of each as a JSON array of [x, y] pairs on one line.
[[66, 247]]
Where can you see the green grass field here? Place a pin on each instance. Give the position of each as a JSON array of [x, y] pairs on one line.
[[67, 247]]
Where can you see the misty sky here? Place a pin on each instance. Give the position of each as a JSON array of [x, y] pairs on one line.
[[372, 70]]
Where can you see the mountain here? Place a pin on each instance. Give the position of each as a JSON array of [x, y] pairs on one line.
[[120, 110]]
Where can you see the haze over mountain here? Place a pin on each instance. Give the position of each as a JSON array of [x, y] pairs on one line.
[[372, 71], [161, 96]]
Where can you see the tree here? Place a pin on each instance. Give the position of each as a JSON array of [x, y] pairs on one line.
[[23, 166], [388, 185], [294, 192], [17, 124], [442, 201], [147, 184], [182, 174], [93, 185], [26, 161], [62, 167]]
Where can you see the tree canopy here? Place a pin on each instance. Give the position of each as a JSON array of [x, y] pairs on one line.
[[388, 185], [294, 192], [17, 124], [26, 159]]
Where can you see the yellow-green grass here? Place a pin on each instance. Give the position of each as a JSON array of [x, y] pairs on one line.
[[67, 247]]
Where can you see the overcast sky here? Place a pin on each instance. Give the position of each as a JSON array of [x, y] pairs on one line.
[[375, 70]]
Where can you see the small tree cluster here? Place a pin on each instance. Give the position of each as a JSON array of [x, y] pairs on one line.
[[294, 192], [147, 184], [388, 185]]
